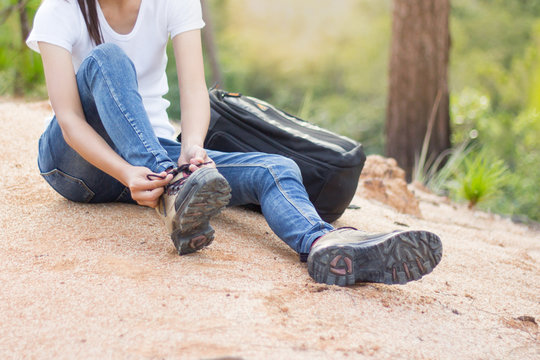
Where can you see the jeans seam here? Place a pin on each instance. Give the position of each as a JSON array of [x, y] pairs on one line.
[[123, 111], [80, 182], [126, 189], [277, 183]]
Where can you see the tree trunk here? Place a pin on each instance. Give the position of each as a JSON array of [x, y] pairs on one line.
[[418, 92], [18, 88], [209, 44], [23, 17]]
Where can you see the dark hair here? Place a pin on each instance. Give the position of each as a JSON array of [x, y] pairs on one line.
[[89, 11]]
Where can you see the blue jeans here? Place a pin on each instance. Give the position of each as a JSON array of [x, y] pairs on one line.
[[109, 95]]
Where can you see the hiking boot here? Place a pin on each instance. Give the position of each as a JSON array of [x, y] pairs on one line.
[[188, 203], [346, 256]]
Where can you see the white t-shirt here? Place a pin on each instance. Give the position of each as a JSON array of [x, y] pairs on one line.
[[60, 22]]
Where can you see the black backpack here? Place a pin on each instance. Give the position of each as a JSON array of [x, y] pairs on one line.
[[330, 163]]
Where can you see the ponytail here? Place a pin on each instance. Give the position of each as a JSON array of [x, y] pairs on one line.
[[89, 11]]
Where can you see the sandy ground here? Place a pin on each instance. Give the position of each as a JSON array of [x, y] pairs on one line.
[[104, 282]]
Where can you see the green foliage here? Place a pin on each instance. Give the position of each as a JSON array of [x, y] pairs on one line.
[[495, 77], [468, 107], [523, 196], [513, 140], [440, 174], [494, 49], [21, 70], [482, 177]]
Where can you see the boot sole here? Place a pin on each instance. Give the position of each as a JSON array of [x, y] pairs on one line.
[[392, 259], [207, 193]]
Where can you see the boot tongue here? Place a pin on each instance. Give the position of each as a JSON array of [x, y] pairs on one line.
[[180, 175]]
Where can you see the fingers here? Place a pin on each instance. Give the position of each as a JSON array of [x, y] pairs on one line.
[[198, 164], [198, 152], [148, 197], [147, 191], [193, 167], [197, 157], [144, 184], [157, 182], [200, 160]]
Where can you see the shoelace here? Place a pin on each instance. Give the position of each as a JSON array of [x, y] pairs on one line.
[[173, 187]]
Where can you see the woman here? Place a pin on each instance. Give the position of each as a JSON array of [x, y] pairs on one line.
[[111, 140]]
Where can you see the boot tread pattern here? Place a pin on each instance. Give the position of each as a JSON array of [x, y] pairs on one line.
[[400, 258], [206, 198]]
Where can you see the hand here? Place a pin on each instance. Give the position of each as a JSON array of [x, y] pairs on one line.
[[144, 191], [195, 156]]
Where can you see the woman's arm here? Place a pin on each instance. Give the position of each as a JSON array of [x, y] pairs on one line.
[[64, 96], [194, 100]]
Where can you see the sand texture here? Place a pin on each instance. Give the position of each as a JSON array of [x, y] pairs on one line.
[[103, 281]]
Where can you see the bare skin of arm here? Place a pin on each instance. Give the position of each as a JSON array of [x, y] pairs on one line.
[[194, 99], [64, 96]]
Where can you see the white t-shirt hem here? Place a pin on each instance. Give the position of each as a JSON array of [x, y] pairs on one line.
[[33, 42], [186, 28]]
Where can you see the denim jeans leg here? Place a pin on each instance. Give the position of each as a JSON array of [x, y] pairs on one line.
[[108, 89], [274, 182], [72, 176]]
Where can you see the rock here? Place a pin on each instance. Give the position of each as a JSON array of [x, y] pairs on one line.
[[383, 180]]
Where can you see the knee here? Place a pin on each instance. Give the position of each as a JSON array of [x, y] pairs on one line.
[[108, 51], [110, 61], [284, 167], [111, 55]]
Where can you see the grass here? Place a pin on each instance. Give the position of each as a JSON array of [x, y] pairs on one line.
[[482, 178], [463, 172]]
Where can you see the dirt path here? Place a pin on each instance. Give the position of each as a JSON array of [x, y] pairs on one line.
[[103, 281]]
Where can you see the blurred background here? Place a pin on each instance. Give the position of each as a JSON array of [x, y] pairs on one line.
[[330, 63]]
